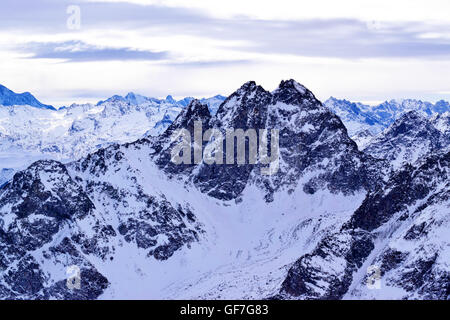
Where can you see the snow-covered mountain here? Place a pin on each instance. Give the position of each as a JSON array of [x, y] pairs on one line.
[[364, 122], [137, 100], [138, 226], [400, 230], [10, 98]]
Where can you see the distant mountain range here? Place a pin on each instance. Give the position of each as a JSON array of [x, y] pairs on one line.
[[136, 99], [363, 121], [358, 117], [30, 131], [10, 98]]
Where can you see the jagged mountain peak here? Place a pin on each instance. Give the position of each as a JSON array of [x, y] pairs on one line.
[[248, 91], [292, 92], [333, 98], [113, 99], [243, 108], [248, 106], [163, 144], [170, 99], [195, 111], [302, 122], [136, 99], [411, 116], [248, 88], [347, 105], [131, 99], [291, 84], [249, 85], [130, 95]]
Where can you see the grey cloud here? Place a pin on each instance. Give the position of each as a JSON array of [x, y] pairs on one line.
[[341, 38], [77, 51], [51, 15]]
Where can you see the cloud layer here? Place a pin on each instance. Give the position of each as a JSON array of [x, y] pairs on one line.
[[78, 51]]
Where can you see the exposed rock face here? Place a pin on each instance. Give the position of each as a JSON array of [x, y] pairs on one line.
[[41, 203], [327, 272], [30, 131], [46, 189], [163, 145], [246, 108], [149, 221]]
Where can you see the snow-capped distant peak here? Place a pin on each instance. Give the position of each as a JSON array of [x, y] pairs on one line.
[[10, 98], [135, 99], [170, 99]]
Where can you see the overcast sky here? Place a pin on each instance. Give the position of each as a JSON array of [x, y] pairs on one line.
[[369, 50]]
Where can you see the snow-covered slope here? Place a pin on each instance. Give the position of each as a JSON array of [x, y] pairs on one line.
[[5, 175]]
